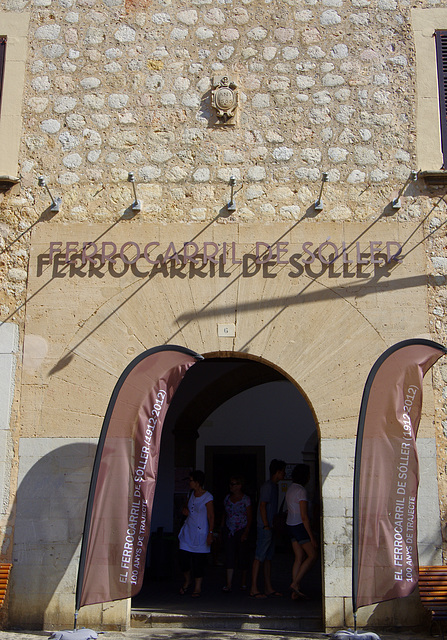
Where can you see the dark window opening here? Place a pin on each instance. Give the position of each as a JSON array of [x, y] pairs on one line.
[[441, 63], [2, 65]]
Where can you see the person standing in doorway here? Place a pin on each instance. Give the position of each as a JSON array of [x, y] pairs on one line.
[[196, 535], [265, 546], [303, 541], [236, 523]]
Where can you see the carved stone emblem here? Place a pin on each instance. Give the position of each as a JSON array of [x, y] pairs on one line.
[[224, 99]]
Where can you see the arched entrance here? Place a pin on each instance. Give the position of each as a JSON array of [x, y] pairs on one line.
[[231, 414]]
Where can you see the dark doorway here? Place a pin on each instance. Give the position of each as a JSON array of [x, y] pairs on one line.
[[229, 416], [221, 462]]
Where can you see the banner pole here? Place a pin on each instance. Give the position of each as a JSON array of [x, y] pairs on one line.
[[356, 491], [89, 508]]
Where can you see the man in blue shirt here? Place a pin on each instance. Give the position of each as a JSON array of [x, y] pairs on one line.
[[265, 546]]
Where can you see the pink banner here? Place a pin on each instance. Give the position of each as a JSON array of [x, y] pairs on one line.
[[386, 478], [119, 510]]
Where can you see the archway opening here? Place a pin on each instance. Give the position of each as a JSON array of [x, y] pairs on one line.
[[230, 415]]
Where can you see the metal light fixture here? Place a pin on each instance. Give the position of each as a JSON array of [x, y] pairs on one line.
[[136, 204], [231, 206], [396, 203], [55, 202], [318, 206]]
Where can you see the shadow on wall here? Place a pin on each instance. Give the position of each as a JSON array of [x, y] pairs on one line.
[[407, 612], [326, 468], [50, 510]]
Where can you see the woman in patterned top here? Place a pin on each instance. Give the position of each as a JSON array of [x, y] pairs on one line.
[[235, 529]]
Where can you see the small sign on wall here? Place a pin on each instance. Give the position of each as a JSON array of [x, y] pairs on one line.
[[226, 330]]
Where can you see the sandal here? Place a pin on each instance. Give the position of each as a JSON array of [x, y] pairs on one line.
[[258, 595], [195, 594], [299, 595], [183, 590]]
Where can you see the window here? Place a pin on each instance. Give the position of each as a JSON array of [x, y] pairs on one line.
[[13, 51], [441, 65], [2, 65], [430, 142]]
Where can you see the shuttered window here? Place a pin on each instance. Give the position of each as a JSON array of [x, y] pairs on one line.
[[2, 65], [441, 61]]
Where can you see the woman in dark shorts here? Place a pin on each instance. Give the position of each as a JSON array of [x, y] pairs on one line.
[[304, 544]]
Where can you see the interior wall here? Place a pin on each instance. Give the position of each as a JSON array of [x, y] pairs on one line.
[[274, 415], [162, 513]]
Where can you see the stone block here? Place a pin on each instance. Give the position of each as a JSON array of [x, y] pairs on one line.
[[112, 615], [5, 472], [392, 613], [366, 616], [338, 581], [338, 489], [9, 336], [430, 553], [51, 498], [90, 616], [338, 555], [337, 448], [337, 530], [58, 610], [7, 379], [337, 507], [334, 615]]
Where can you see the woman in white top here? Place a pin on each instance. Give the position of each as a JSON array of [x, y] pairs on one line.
[[304, 544], [196, 535]]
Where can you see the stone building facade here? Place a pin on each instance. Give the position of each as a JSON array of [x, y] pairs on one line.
[[94, 89]]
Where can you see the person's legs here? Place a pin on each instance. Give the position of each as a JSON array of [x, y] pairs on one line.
[[185, 567], [243, 559], [254, 577], [197, 587], [198, 564], [229, 579], [230, 555], [263, 541], [298, 559], [268, 577], [268, 587], [186, 582], [244, 573], [311, 553]]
